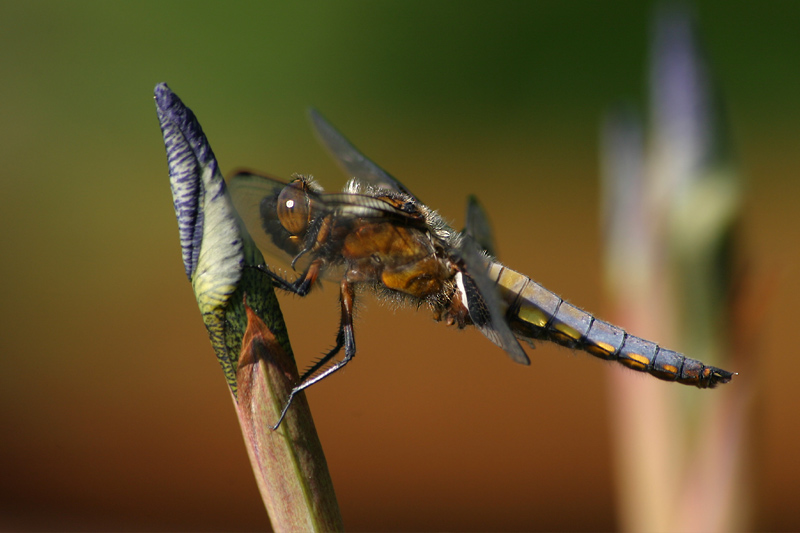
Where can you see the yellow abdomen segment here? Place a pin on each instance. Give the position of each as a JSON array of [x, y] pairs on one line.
[[534, 312]]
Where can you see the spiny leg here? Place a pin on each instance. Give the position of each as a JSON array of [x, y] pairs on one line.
[[345, 338], [322, 361]]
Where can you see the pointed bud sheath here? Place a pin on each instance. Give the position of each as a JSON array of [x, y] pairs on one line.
[[246, 329], [289, 463]]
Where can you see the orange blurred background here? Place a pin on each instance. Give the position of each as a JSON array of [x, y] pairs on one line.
[[113, 408]]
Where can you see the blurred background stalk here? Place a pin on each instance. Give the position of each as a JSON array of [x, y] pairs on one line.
[[671, 205]]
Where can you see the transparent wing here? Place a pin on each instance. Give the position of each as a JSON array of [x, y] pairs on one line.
[[478, 227], [483, 302], [363, 206], [255, 199], [353, 162]]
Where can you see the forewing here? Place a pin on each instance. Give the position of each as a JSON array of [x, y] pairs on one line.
[[483, 302], [353, 162], [362, 206]]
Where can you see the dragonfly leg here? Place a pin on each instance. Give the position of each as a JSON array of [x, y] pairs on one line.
[[325, 358], [345, 338], [302, 285]]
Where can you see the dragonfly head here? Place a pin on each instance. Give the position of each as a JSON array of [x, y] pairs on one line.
[[295, 207]]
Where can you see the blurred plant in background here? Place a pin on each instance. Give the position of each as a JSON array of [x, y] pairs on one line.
[[671, 205]]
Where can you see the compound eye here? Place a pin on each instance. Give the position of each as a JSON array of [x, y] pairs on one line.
[[293, 209]]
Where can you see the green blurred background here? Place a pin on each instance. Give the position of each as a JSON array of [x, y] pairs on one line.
[[113, 408]]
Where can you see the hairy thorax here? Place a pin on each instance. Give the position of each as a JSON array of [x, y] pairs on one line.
[[402, 258]]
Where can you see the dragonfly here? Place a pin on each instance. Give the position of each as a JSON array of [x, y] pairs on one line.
[[377, 235]]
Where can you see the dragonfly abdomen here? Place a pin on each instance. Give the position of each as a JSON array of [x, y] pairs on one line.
[[536, 313]]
